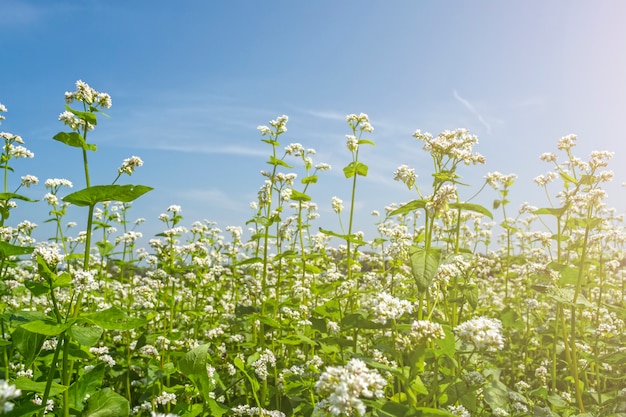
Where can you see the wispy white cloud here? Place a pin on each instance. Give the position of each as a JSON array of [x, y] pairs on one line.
[[208, 149], [469, 106], [328, 115]]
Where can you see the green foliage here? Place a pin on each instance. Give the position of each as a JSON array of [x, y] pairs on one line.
[[436, 316], [100, 193]]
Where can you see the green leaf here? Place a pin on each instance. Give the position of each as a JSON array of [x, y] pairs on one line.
[[217, 409], [26, 384], [470, 293], [351, 238], [355, 168], [447, 345], [496, 394], [48, 328], [8, 196], [7, 249], [567, 178], [566, 296], [28, 344], [477, 208], [409, 207], [99, 193], [309, 180], [330, 309], [26, 409], [556, 212], [588, 179], [114, 319], [106, 403], [298, 196], [366, 142], [86, 386], [37, 288], [392, 408], [89, 117], [510, 319], [194, 366], [86, 335], [74, 139], [104, 248], [241, 366], [424, 265], [278, 162]]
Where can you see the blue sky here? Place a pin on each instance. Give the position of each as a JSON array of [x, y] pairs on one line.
[[191, 81]]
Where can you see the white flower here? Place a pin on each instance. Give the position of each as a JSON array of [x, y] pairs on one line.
[[352, 143], [54, 183], [260, 365], [406, 175], [20, 152], [386, 307], [482, 332], [7, 393], [426, 331], [129, 165], [28, 180], [337, 204], [50, 254], [322, 167], [166, 398], [51, 199], [345, 385], [567, 142]]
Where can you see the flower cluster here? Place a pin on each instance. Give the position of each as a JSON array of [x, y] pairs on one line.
[[337, 204], [50, 254], [360, 122], [279, 125], [482, 332], [424, 331], [387, 307], [454, 144], [7, 393], [345, 385], [406, 175], [129, 165], [260, 365], [85, 94], [439, 203], [497, 180]]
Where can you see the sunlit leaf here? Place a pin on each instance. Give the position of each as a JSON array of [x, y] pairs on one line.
[[114, 319], [99, 193], [278, 162], [194, 366], [424, 265], [355, 168], [477, 208], [75, 140], [106, 403], [409, 207], [298, 196]]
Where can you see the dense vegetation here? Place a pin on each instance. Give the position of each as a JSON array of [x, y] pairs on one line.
[[447, 312]]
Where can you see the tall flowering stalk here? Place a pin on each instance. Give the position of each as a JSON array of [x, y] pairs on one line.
[[579, 227], [80, 122], [267, 215], [448, 150], [359, 124]]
